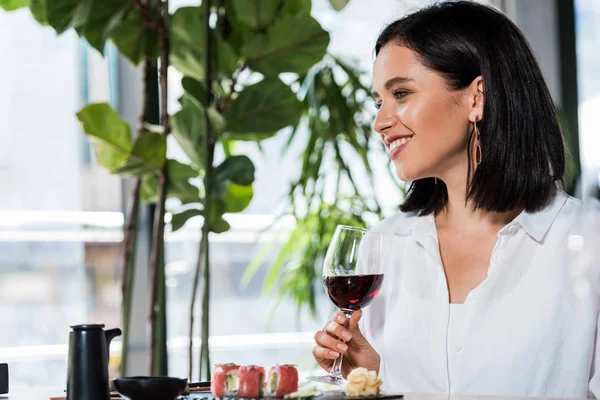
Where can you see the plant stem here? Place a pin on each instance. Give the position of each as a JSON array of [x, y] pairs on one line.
[[129, 247], [157, 299], [206, 227], [130, 231]]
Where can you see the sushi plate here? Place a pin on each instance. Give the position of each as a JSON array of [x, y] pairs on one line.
[[328, 395]]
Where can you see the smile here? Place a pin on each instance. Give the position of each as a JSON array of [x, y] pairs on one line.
[[398, 145]]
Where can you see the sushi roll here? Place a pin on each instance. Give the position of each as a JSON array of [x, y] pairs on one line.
[[282, 380], [252, 381], [225, 380]]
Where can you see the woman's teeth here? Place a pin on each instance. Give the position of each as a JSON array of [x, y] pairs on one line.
[[399, 142]]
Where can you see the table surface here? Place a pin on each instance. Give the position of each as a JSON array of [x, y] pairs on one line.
[[47, 393]]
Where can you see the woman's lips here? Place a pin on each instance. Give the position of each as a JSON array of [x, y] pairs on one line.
[[396, 152]]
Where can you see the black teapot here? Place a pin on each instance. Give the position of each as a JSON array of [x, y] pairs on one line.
[[87, 371]]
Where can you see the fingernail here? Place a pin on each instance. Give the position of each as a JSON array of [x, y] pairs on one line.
[[341, 318], [334, 354], [342, 347], [346, 336]]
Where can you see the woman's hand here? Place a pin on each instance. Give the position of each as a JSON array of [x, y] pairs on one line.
[[353, 345]]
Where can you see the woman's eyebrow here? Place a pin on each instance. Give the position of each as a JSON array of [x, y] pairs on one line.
[[393, 81]]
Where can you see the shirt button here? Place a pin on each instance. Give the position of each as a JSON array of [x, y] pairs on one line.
[[496, 258], [511, 229], [458, 348]]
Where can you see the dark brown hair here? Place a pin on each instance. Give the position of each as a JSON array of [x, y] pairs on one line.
[[523, 156]]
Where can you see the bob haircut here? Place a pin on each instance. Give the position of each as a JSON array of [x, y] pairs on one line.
[[523, 155]]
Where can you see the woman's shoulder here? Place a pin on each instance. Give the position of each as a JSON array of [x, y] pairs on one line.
[[399, 222]]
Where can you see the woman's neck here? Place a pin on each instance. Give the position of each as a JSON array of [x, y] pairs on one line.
[[461, 215]]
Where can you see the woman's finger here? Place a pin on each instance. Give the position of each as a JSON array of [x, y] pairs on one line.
[[337, 330], [325, 354], [326, 341]]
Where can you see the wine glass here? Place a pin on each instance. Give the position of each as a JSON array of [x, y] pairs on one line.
[[352, 276]]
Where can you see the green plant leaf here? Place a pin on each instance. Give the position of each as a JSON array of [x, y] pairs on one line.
[[237, 197], [65, 14], [149, 189], [195, 89], [178, 220], [11, 5], [227, 58], [135, 39], [248, 137], [217, 223], [149, 154], [189, 129], [187, 45], [39, 11], [292, 44], [179, 186], [339, 4], [179, 182], [237, 169], [187, 41], [104, 17], [296, 7], [256, 13], [109, 133], [264, 107]]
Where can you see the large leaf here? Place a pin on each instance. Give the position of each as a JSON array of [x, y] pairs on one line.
[[248, 137], [109, 133], [65, 14], [237, 197], [189, 129], [295, 7], [264, 107], [217, 223], [11, 5], [292, 44], [39, 11], [178, 220], [135, 39], [339, 4], [195, 89], [104, 17], [256, 13], [187, 45], [179, 186], [148, 155], [237, 169]]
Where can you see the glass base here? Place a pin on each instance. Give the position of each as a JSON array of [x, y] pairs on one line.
[[328, 379]]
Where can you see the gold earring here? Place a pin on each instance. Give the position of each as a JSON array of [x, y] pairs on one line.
[[435, 178], [477, 144]]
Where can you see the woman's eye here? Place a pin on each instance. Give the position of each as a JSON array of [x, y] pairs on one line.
[[378, 105], [398, 94]]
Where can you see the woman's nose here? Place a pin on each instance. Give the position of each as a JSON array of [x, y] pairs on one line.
[[384, 122]]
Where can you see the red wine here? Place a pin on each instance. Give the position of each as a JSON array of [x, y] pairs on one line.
[[352, 292]]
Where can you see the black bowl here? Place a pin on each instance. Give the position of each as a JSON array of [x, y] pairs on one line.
[[150, 387]]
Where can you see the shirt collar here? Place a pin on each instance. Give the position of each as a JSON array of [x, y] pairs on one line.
[[535, 224], [538, 223]]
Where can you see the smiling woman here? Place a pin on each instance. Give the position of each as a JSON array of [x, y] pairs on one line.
[[477, 289]]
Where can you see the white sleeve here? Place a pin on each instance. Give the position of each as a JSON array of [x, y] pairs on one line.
[[594, 386], [371, 325]]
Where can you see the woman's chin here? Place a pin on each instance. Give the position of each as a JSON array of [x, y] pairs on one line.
[[405, 175]]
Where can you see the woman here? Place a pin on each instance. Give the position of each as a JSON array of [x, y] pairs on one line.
[[477, 299]]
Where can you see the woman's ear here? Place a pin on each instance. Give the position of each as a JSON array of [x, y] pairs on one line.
[[476, 99]]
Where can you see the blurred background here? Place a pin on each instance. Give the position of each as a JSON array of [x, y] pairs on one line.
[[62, 215]]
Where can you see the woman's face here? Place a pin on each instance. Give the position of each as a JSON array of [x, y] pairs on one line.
[[424, 123]]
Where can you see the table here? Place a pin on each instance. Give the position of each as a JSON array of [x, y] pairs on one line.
[[47, 393]]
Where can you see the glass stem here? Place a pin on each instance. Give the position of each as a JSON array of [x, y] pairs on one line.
[[336, 369]]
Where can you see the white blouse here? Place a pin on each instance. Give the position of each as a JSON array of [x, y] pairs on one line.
[[527, 330]]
